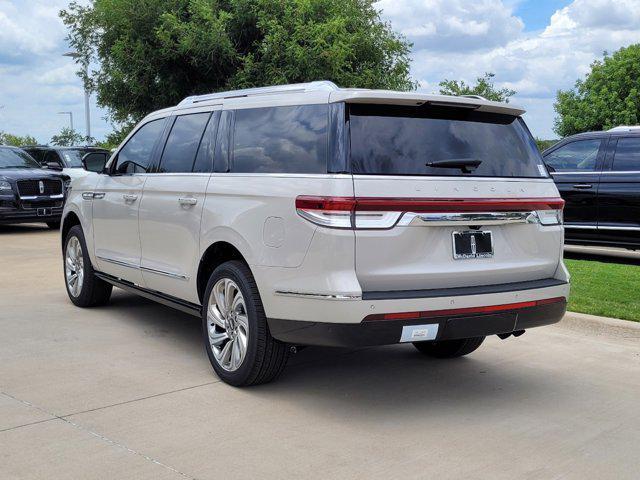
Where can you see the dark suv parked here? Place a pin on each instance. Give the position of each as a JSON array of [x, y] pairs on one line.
[[63, 157], [27, 192], [598, 175]]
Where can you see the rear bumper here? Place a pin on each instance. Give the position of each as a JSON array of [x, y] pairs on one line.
[[384, 332]]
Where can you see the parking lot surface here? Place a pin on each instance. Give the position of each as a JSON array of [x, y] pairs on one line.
[[126, 391]]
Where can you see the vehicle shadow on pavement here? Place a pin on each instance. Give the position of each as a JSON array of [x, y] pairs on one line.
[[602, 258], [23, 228]]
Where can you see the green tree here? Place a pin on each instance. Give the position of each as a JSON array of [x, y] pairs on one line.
[[153, 53], [16, 140], [484, 87], [67, 138], [544, 144], [609, 95]]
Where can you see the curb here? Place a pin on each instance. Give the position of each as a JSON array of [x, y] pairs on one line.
[[600, 325]]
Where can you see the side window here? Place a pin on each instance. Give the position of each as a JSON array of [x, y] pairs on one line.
[[182, 144], [627, 156], [281, 140], [204, 157], [52, 157], [135, 156], [579, 156], [221, 162]]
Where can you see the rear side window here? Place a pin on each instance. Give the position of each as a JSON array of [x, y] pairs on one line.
[[579, 156], [182, 144], [135, 156], [627, 156], [281, 140], [440, 141]]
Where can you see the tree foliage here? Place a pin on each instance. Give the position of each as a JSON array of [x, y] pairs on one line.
[[16, 140], [153, 53], [67, 138], [544, 144], [609, 95], [484, 87]]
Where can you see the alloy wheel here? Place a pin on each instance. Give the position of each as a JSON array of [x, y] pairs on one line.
[[227, 324], [74, 266]]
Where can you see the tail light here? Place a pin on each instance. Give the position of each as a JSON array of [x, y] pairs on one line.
[[383, 213]]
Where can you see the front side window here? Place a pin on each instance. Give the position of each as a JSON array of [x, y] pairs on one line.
[[579, 156], [440, 141], [180, 151], [281, 140], [135, 156], [627, 156], [53, 157]]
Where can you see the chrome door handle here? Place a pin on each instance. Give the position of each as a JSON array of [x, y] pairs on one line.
[[187, 201], [583, 186], [129, 197]]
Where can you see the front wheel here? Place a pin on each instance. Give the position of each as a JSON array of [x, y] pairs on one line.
[[83, 287], [234, 327], [449, 348]]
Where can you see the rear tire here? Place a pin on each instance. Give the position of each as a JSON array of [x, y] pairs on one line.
[[235, 332], [83, 287], [54, 225], [449, 348]]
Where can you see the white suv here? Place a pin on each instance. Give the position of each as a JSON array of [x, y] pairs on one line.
[[314, 215]]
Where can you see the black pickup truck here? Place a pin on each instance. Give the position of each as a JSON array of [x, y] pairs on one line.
[[598, 175], [29, 193]]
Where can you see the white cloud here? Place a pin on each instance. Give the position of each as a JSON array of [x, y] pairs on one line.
[[535, 64], [451, 25]]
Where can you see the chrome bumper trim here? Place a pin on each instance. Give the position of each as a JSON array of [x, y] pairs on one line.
[[317, 296]]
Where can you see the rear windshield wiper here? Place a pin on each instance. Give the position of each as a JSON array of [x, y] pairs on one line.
[[467, 165]]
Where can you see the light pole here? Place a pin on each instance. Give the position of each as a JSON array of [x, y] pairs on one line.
[[87, 116], [70, 118]]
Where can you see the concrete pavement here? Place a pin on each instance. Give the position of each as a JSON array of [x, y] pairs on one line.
[[126, 391]]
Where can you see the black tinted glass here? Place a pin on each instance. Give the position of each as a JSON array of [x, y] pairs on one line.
[[627, 155], [204, 157], [579, 156], [135, 156], [281, 140], [394, 140], [180, 151]]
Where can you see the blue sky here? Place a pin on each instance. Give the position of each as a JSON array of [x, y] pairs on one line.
[[533, 46]]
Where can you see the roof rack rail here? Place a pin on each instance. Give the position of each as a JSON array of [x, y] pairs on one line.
[[322, 85], [625, 128], [478, 97]]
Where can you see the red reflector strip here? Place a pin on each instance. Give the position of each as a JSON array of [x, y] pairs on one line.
[[464, 311], [428, 205]]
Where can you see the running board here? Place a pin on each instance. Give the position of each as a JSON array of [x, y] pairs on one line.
[[168, 300]]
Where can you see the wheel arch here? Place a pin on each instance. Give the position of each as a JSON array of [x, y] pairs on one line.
[[70, 220], [216, 254]]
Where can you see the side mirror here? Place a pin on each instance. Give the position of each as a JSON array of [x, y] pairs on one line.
[[95, 161], [53, 166]]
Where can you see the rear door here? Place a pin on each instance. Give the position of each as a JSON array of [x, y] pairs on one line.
[[619, 194], [576, 168], [429, 180], [171, 206]]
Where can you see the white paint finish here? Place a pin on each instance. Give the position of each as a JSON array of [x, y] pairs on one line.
[[170, 231], [420, 256], [238, 205], [115, 225]]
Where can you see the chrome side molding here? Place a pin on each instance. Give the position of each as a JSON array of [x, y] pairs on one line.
[[145, 269], [317, 296]]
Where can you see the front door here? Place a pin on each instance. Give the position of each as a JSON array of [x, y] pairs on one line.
[[116, 203], [171, 207], [575, 167]]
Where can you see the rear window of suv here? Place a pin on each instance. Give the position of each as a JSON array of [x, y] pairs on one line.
[[398, 140]]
